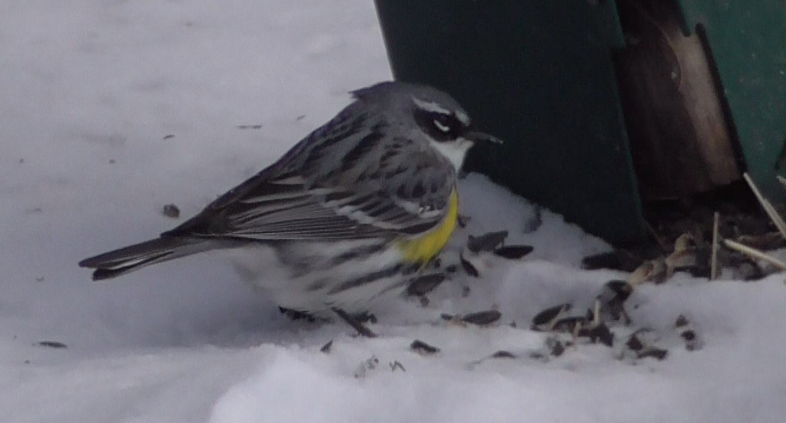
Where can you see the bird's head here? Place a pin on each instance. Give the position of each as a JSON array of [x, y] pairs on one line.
[[429, 114]]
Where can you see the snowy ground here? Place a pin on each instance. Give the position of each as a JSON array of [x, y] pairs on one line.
[[90, 89]]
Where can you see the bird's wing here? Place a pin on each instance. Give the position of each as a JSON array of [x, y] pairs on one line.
[[348, 186]]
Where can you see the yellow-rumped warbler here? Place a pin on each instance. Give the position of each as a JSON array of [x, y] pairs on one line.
[[350, 213]]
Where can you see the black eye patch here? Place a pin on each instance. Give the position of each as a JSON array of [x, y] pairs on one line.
[[439, 126]]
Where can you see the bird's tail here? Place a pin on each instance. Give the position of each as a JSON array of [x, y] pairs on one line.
[[137, 256]]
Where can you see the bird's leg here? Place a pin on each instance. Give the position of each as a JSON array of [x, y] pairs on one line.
[[360, 327], [296, 315]]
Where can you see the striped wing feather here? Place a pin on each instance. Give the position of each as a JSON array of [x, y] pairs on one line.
[[281, 204]]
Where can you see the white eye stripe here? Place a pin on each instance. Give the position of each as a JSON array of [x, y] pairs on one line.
[[430, 106], [462, 117], [441, 127]]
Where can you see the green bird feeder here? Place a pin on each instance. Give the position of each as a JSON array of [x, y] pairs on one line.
[[557, 81]]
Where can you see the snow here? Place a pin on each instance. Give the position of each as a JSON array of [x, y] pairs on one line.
[[90, 89]]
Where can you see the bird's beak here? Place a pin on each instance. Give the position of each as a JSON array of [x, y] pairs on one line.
[[475, 136]]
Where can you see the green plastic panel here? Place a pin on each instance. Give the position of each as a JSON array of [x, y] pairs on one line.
[[748, 42], [538, 74]]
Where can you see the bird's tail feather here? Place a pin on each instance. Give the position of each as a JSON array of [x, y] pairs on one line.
[[137, 256]]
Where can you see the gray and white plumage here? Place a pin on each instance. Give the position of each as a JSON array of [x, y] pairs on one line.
[[327, 212]]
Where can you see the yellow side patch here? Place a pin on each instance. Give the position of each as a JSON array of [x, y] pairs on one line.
[[426, 247]]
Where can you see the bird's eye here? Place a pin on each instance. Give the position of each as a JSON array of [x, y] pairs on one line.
[[439, 126]]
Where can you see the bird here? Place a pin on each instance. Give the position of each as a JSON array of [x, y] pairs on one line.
[[353, 212]]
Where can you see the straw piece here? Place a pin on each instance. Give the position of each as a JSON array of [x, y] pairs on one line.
[[754, 253], [768, 208], [714, 261]]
